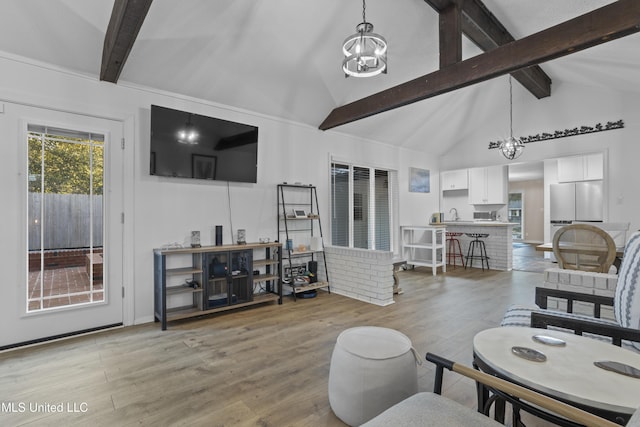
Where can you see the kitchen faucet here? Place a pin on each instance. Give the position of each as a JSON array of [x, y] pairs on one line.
[[455, 215]]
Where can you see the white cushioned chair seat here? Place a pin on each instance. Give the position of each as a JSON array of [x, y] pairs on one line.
[[430, 410]]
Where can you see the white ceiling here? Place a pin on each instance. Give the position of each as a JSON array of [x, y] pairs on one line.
[[282, 57]]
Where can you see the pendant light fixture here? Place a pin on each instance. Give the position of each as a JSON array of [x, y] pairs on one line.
[[512, 147], [188, 134], [365, 52]]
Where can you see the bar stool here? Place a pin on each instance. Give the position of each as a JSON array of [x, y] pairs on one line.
[[479, 244], [455, 250]]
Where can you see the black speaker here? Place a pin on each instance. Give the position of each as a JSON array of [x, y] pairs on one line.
[[313, 269], [218, 235]]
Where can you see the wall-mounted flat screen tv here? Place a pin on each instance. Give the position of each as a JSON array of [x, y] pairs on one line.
[[188, 145]]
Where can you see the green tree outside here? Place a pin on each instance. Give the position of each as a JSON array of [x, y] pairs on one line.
[[69, 164]]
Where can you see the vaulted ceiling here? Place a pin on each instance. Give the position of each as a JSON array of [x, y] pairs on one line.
[[282, 57]]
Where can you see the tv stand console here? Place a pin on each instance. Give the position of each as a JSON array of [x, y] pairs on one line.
[[190, 282]]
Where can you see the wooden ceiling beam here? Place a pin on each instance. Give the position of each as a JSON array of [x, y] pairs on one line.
[[482, 27], [610, 22], [450, 27], [487, 32], [126, 20]]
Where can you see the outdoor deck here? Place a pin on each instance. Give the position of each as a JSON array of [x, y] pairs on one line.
[[63, 286]]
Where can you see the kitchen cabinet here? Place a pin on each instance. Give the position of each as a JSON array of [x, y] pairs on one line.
[[593, 167], [570, 169], [581, 168], [454, 180], [488, 185]]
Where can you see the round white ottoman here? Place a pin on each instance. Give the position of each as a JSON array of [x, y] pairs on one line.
[[371, 370]]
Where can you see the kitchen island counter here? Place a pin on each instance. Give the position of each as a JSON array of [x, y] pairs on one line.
[[499, 244]]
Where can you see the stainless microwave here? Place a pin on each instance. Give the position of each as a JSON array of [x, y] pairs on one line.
[[484, 215]]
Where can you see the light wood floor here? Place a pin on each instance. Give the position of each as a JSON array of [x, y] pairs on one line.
[[264, 366]]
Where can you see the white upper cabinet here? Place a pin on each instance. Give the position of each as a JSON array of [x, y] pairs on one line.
[[593, 166], [570, 169], [581, 168], [488, 186], [454, 180]]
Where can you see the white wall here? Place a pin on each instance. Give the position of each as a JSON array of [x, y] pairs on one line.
[[569, 106], [161, 210]]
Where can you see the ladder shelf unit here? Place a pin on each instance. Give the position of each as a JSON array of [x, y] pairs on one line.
[[300, 232]]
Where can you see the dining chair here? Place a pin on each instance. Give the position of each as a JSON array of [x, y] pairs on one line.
[[618, 232], [584, 247]]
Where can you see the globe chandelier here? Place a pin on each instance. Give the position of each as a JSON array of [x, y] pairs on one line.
[[511, 148]]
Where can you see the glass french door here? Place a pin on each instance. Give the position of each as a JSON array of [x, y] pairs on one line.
[[516, 209], [71, 199]]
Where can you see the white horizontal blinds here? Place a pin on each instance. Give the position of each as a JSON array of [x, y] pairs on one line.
[[382, 210], [340, 218], [361, 207], [394, 222]]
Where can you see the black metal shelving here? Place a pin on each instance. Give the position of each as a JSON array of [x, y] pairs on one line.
[[298, 233]]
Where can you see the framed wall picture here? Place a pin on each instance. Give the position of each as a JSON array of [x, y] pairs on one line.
[[419, 180], [203, 167]]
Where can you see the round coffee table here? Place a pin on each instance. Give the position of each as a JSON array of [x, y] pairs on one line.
[[568, 374]]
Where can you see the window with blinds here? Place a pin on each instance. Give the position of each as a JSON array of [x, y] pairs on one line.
[[361, 207]]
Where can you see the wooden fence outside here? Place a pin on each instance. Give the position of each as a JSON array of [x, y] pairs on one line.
[[66, 221]]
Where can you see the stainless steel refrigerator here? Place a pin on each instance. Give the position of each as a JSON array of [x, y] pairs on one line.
[[576, 201]]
